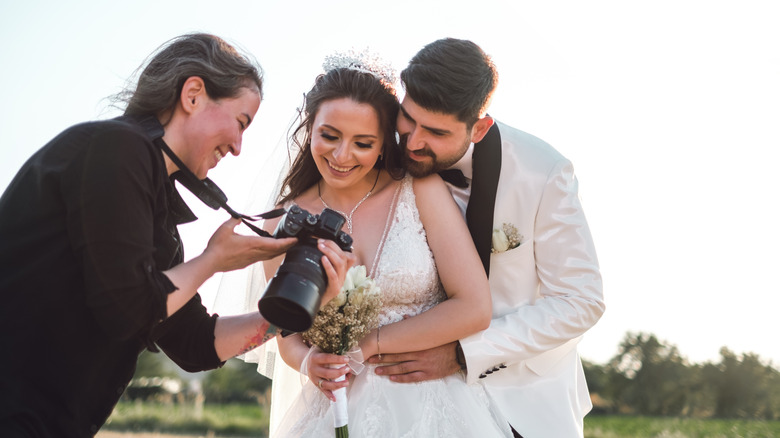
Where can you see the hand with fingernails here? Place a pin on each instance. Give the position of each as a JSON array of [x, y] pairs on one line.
[[324, 368]]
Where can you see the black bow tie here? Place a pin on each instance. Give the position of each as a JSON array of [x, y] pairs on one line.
[[454, 177]]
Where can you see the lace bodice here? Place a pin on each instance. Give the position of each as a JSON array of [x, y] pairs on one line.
[[405, 269]]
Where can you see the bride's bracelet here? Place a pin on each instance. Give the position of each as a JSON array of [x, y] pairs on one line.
[[378, 351]]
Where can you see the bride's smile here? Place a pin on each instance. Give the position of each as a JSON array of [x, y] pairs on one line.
[[346, 143], [340, 169]]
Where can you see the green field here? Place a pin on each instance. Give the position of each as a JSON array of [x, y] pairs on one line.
[[252, 420], [222, 420], [613, 426]]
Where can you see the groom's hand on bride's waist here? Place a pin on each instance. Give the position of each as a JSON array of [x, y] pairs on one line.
[[418, 366]]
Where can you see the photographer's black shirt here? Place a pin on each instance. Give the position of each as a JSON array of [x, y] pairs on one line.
[[86, 227]]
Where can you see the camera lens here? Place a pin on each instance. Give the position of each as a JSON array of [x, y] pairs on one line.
[[293, 296]]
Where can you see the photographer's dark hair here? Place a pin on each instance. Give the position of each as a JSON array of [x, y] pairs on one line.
[[451, 76], [341, 83], [223, 69]]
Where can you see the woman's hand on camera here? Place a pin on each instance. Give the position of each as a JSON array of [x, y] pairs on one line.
[[234, 251], [336, 263]]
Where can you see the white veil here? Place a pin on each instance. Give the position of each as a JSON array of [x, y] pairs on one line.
[[239, 291]]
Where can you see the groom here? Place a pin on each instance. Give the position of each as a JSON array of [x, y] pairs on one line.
[[519, 197]]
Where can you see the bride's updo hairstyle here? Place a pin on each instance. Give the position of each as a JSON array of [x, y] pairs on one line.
[[223, 69], [364, 80]]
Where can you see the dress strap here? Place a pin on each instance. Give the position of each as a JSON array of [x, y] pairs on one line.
[[390, 216]]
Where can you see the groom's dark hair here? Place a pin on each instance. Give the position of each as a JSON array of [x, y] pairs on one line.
[[451, 76]]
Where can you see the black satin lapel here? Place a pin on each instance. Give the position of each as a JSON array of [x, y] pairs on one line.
[[486, 167]]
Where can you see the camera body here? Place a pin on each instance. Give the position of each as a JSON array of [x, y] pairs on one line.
[[293, 295], [299, 223]]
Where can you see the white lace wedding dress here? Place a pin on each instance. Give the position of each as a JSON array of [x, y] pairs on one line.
[[405, 271]]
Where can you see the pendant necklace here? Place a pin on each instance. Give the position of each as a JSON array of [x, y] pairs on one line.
[[348, 217]]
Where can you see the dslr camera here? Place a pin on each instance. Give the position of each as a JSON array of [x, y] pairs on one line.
[[293, 295]]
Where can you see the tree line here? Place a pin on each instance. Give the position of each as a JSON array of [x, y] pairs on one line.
[[650, 377], [645, 377]]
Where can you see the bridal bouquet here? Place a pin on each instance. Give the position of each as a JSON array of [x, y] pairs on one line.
[[340, 324]]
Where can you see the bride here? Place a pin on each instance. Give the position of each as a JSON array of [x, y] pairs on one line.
[[414, 243]]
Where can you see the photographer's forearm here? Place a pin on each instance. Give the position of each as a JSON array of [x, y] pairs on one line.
[[225, 251], [188, 277], [234, 335]]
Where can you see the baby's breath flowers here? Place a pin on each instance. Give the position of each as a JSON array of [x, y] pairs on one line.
[[506, 238], [340, 324]]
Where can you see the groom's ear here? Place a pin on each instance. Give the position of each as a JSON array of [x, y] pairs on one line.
[[480, 128]]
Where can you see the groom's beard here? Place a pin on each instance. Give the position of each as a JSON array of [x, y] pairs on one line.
[[436, 164]]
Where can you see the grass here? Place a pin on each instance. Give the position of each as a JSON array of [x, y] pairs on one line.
[[614, 426], [251, 420], [223, 420]]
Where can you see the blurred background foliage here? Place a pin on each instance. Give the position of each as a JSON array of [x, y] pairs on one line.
[[651, 377], [647, 376]]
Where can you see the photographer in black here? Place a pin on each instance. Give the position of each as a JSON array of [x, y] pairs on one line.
[[91, 264]]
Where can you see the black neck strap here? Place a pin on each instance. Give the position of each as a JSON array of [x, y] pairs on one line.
[[210, 193]]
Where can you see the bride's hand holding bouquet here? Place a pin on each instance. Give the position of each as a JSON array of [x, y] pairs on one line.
[[326, 371], [337, 329]]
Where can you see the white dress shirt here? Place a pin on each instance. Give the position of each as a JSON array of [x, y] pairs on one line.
[[462, 194]]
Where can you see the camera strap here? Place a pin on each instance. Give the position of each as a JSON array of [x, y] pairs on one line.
[[210, 193]]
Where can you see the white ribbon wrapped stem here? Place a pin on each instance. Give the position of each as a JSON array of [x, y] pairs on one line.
[[340, 411], [340, 406]]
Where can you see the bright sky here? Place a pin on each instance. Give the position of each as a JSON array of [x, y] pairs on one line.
[[668, 109]]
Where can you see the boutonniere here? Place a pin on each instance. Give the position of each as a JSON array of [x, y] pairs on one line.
[[505, 238]]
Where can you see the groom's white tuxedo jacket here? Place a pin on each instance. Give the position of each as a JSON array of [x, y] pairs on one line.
[[546, 292]]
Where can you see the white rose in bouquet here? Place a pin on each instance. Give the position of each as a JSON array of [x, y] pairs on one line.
[[340, 299], [356, 297]]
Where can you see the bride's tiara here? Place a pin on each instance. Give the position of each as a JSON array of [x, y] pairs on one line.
[[364, 61]]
